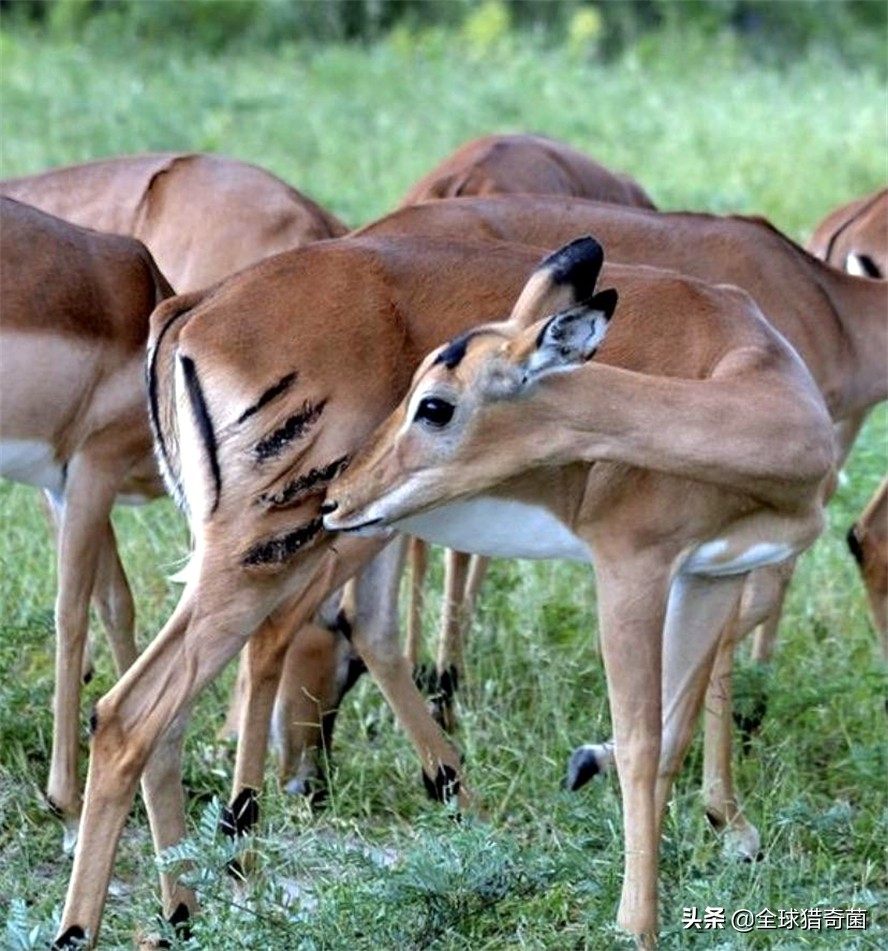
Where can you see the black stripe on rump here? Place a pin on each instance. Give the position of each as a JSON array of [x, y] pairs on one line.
[[293, 428], [272, 393], [204, 423], [153, 400], [281, 548], [311, 483]]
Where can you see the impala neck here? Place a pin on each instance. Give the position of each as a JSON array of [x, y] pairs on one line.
[[856, 377]]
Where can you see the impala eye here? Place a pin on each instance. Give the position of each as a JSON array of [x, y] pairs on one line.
[[434, 411]]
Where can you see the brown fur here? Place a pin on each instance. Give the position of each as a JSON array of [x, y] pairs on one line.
[[75, 306], [202, 216], [352, 318], [524, 164]]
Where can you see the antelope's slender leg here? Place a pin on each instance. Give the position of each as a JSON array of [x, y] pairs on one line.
[[765, 629], [376, 639], [114, 602], [89, 494], [418, 558], [450, 647], [700, 625], [630, 632]]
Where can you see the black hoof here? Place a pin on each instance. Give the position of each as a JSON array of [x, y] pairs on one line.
[[444, 786], [88, 676], [179, 921], [426, 678], [240, 817], [581, 767], [74, 937]]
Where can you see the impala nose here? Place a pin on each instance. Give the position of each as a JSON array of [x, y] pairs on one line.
[[328, 507]]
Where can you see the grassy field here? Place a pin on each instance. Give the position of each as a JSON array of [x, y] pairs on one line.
[[702, 128]]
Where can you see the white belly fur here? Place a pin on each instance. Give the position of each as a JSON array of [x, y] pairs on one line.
[[32, 462], [499, 528]]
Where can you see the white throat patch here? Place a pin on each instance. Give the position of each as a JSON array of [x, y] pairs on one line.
[[499, 528]]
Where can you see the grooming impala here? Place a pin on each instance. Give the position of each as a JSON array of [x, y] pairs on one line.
[[838, 323], [75, 306], [255, 418], [509, 443]]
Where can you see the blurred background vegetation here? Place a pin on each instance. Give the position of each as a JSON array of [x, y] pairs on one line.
[[856, 29]]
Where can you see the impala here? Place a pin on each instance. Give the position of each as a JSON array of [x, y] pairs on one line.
[[528, 164], [75, 306], [838, 323], [202, 216], [255, 417], [854, 238]]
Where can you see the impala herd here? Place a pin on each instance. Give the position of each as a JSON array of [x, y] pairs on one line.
[[526, 359]]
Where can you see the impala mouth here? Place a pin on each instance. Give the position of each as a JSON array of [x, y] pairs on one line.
[[372, 526]]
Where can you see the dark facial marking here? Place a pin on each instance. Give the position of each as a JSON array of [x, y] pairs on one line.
[[278, 550], [204, 423], [93, 721], [444, 786], [300, 488], [342, 625], [293, 428], [577, 263], [273, 392], [452, 354], [238, 818]]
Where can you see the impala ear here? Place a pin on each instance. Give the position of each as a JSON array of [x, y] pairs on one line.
[[562, 280], [570, 338]]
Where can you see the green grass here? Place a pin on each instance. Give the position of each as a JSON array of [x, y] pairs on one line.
[[701, 128]]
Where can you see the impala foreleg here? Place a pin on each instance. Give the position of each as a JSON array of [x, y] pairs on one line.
[[83, 526], [631, 639], [418, 559], [375, 637]]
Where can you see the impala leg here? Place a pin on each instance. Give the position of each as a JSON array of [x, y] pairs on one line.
[[319, 667], [460, 595], [266, 656], [450, 647], [89, 495], [701, 625], [418, 558], [114, 602], [631, 639], [763, 608], [146, 711], [375, 637]]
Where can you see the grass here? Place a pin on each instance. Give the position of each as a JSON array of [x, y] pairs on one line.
[[701, 127]]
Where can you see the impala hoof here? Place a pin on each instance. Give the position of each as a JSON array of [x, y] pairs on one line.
[[585, 763], [240, 817], [73, 937], [444, 786]]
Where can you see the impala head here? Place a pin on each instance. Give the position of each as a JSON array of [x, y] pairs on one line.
[[471, 418]]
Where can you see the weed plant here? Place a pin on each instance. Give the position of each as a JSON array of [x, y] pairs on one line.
[[702, 127]]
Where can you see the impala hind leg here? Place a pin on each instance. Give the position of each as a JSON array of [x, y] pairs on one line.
[[418, 560], [700, 627], [113, 598]]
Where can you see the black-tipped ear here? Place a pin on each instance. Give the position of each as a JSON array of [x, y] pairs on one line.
[[577, 264], [605, 301]]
